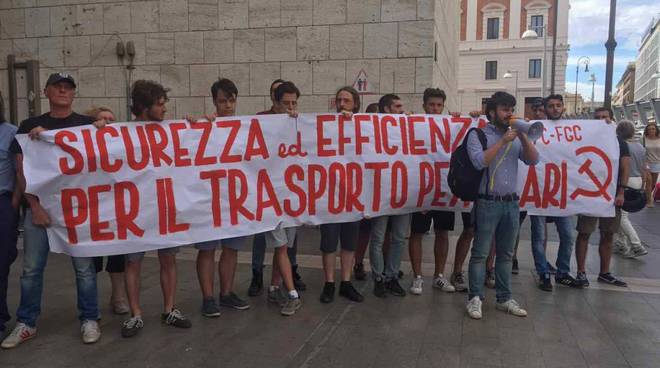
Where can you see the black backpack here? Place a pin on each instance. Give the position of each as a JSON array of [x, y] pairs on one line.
[[463, 178]]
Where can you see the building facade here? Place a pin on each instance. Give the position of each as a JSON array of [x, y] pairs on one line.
[[491, 46], [625, 89], [647, 71], [377, 46]]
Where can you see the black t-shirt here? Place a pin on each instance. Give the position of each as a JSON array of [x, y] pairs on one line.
[[48, 123], [624, 151]]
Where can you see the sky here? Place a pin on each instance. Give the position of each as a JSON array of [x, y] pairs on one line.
[[588, 31]]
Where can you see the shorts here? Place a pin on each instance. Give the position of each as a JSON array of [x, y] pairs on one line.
[[365, 225], [587, 224], [232, 243], [345, 233], [654, 167], [135, 257], [442, 221], [280, 237], [114, 264]]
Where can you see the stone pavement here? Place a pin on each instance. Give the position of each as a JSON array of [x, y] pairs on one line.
[[597, 327]]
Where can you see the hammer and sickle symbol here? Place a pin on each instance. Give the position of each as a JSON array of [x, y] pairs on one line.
[[586, 168]]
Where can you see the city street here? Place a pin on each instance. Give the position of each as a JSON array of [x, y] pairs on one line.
[[601, 326]]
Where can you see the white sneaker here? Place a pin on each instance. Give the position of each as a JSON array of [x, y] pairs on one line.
[[474, 308], [91, 332], [20, 334], [416, 285], [440, 282], [637, 252], [511, 306]]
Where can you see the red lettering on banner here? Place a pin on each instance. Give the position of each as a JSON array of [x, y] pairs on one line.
[[377, 167], [256, 145], [601, 187], [404, 134], [359, 138], [416, 145], [482, 123], [438, 194], [336, 172], [181, 158], [236, 203], [299, 174], [213, 176], [399, 173], [130, 148], [442, 135], [293, 149], [314, 193], [391, 120], [321, 141], [354, 190], [531, 192], [158, 146], [206, 128], [126, 218], [559, 183], [89, 150], [425, 181], [103, 149], [96, 226], [78, 160], [342, 139], [264, 186], [234, 126], [467, 124], [72, 220], [378, 140], [167, 208]]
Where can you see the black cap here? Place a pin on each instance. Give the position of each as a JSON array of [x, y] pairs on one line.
[[58, 77]]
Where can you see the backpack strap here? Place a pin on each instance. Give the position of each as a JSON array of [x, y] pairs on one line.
[[484, 144]]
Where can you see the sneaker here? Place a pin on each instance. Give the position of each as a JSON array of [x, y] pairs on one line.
[[514, 267], [328, 293], [416, 286], [544, 283], [440, 282], [566, 280], [297, 280], [474, 308], [609, 279], [19, 335], [291, 306], [233, 301], [581, 280], [358, 272], [637, 252], [551, 268], [347, 290], [395, 288], [490, 279], [120, 307], [276, 296], [210, 308], [175, 318], [458, 281], [512, 307], [132, 326], [379, 288], [257, 283], [90, 331]]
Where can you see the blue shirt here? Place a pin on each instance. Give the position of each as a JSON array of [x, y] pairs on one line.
[[7, 159], [503, 170]]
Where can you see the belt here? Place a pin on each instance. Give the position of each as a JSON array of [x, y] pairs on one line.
[[500, 198], [6, 193]]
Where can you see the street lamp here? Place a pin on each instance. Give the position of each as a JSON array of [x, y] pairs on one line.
[[593, 86], [509, 75], [531, 34], [586, 61]]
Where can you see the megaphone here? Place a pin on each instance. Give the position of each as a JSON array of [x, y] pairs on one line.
[[533, 130]]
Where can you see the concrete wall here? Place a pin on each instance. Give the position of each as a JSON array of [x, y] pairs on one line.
[[187, 44]]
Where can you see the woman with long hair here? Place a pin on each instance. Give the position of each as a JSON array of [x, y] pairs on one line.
[[651, 141]]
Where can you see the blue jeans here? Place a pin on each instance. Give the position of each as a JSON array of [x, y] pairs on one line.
[[500, 220], [35, 244], [565, 229], [400, 224], [259, 253]]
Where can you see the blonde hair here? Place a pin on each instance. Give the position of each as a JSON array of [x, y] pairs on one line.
[[94, 111]]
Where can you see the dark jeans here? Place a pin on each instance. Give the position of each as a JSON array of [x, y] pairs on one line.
[[115, 264], [8, 237], [259, 253]]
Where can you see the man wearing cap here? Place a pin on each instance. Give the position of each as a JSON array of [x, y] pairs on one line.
[[60, 90]]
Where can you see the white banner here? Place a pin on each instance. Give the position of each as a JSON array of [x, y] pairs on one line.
[[139, 186]]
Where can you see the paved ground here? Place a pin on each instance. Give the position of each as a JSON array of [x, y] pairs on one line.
[[597, 327]]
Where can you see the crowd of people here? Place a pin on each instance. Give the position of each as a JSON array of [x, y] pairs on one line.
[[490, 231]]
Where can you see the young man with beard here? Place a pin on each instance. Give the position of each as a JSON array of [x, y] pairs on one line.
[[148, 105], [554, 110], [347, 233], [60, 90], [225, 95], [496, 210], [608, 225]]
